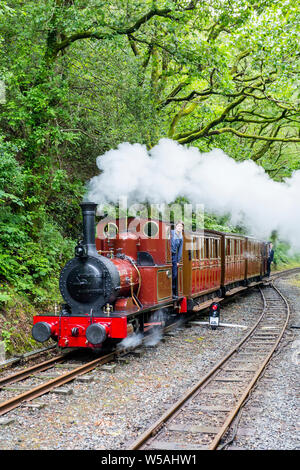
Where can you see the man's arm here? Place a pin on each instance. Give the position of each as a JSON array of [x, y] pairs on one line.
[[173, 247], [180, 251]]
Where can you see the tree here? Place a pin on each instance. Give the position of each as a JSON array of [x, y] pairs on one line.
[[230, 70]]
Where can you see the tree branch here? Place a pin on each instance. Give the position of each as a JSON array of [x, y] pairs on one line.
[[58, 47], [204, 132], [253, 136]]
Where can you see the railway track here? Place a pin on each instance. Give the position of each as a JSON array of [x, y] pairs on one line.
[[286, 272], [61, 379], [202, 416], [48, 385]]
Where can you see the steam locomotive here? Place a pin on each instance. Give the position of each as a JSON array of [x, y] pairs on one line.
[[119, 285]]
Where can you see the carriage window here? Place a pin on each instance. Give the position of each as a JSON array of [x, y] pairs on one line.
[[206, 247], [195, 253], [216, 248], [197, 247], [228, 247], [201, 248]]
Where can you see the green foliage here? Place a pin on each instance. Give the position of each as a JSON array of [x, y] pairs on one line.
[[32, 248], [4, 297], [6, 334], [221, 224]]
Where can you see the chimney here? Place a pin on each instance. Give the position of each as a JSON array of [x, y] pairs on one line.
[[88, 225]]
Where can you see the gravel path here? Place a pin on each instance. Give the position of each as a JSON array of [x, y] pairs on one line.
[[114, 408]]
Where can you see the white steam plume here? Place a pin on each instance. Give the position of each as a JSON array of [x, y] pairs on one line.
[[131, 341], [170, 170]]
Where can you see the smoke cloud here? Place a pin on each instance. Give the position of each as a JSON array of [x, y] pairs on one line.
[[170, 170]]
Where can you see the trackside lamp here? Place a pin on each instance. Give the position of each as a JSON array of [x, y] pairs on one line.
[[214, 315]]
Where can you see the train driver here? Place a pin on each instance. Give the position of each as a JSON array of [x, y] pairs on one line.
[[176, 249], [270, 258]]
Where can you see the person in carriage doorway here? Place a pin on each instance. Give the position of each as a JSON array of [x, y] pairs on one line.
[[270, 258], [176, 249]]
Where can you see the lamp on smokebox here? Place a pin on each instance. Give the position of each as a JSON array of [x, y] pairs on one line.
[[214, 315]]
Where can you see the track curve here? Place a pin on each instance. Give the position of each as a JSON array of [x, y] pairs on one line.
[[219, 395]]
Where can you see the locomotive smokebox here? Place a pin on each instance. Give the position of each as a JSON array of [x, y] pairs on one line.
[[89, 280]]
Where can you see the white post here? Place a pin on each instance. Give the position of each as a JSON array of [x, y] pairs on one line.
[[2, 92], [2, 351]]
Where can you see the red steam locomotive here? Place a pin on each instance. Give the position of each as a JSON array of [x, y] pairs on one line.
[[117, 286]]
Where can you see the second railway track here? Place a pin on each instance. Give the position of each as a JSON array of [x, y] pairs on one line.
[[202, 416], [48, 385]]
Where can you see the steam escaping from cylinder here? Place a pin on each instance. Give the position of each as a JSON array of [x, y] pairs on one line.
[[225, 186], [154, 338], [131, 341]]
